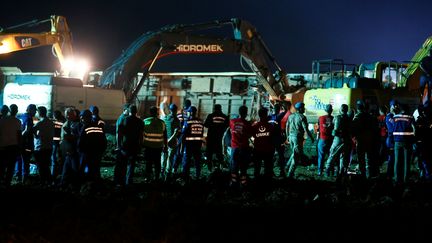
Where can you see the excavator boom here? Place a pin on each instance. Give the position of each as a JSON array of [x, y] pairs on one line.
[[59, 37], [178, 39]]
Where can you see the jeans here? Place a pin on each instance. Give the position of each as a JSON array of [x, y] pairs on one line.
[[402, 152], [323, 149]]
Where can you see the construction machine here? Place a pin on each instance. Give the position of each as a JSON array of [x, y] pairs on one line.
[[375, 83], [55, 91], [59, 37], [183, 39]]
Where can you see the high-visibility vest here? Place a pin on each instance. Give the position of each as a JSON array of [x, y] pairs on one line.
[[153, 132], [195, 131], [402, 130], [57, 130]]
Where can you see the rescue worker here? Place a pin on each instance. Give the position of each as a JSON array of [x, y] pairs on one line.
[[216, 122], [193, 135], [266, 137], [95, 116], [69, 147], [383, 153], [324, 136], [275, 119], [390, 139], [173, 127], [365, 133], [403, 132], [155, 141], [10, 142], [341, 145], [56, 157], [296, 127], [121, 160], [240, 150], [43, 144], [91, 145], [132, 141], [423, 141], [28, 143], [183, 116]]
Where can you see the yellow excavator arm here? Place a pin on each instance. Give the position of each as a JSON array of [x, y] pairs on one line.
[[415, 62], [60, 38]]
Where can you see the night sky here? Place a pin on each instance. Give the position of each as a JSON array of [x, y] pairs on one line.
[[296, 32]]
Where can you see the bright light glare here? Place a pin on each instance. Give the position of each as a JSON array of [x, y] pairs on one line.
[[4, 47], [75, 68]]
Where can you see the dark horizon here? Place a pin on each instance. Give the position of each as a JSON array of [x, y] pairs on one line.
[[296, 33]]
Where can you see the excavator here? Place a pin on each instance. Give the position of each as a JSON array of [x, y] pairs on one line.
[[375, 83], [183, 39], [59, 37]]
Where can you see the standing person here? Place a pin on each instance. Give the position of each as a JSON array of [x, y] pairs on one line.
[[216, 122], [27, 142], [341, 145], [69, 147], [403, 132], [365, 133], [423, 137], [183, 117], [240, 150], [296, 127], [383, 153], [43, 144], [132, 141], [91, 145], [121, 161], [265, 139], [390, 139], [10, 141], [95, 116], [155, 141], [173, 127], [276, 119], [56, 157], [193, 135], [426, 77], [324, 134]]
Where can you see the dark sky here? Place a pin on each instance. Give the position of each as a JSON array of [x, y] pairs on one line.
[[296, 32]]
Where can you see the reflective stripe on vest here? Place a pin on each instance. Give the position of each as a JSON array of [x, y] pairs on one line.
[[218, 119], [58, 124], [93, 130], [153, 137], [194, 139], [403, 133]]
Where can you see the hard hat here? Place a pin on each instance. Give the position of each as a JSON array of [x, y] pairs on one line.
[[85, 113], [393, 102], [172, 107], [299, 105]]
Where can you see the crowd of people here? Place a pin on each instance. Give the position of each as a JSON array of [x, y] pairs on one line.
[[68, 149]]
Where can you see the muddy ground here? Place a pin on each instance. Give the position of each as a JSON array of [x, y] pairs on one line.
[[207, 210]]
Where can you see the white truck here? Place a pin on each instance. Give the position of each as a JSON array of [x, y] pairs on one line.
[[43, 89]]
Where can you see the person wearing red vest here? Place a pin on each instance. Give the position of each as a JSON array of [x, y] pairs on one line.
[[240, 153], [324, 136], [265, 140]]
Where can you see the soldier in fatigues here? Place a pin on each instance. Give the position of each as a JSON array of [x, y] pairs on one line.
[[341, 146], [296, 127], [173, 127], [193, 133]]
